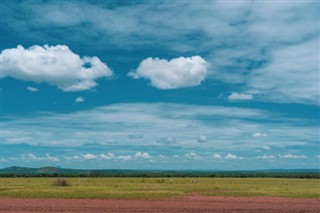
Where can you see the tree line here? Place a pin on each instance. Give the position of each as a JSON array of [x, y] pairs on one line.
[[311, 175]]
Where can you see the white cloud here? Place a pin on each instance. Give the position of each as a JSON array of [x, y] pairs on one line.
[[29, 156], [51, 158], [265, 157], [202, 138], [270, 50], [32, 157], [317, 156], [56, 65], [228, 127], [142, 155], [292, 75], [89, 156], [192, 156], [216, 156], [291, 156], [108, 156], [2, 160], [79, 99], [232, 157], [124, 157], [176, 73], [259, 134], [266, 148], [240, 96], [32, 89], [73, 157]]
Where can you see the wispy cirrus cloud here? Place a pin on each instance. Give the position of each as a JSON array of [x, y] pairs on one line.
[[229, 129], [262, 47], [259, 135], [266, 148]]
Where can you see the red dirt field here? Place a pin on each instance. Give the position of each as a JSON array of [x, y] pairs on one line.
[[176, 204]]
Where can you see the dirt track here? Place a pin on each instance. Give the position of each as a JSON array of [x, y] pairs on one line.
[[177, 204]]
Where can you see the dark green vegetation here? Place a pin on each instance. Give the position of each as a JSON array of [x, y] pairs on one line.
[[61, 182], [158, 187], [61, 172]]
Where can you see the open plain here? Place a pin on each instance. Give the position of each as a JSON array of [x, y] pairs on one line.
[[160, 195]]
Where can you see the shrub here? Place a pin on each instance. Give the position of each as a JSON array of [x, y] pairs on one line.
[[61, 182], [160, 181]]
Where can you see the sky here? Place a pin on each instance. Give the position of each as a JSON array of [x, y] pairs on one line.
[[172, 85]]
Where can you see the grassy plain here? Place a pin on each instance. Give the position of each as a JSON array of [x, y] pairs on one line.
[[158, 187]]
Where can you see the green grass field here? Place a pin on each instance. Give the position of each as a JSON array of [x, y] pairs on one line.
[[158, 187]]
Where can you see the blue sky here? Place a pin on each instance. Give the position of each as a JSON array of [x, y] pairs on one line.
[[160, 85]]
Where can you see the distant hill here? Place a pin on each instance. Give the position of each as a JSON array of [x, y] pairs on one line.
[[46, 170], [16, 171]]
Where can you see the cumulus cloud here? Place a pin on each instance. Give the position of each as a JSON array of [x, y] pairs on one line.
[[192, 156], [56, 65], [240, 96], [232, 157], [265, 157], [107, 156], [216, 156], [202, 138], [32, 157], [79, 99], [51, 158], [270, 50], [291, 156], [73, 157], [112, 156], [32, 89], [142, 155], [124, 157], [176, 73], [89, 156]]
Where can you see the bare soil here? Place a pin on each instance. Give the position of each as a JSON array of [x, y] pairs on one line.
[[176, 204]]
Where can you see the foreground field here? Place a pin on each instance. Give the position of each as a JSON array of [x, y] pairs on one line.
[[176, 204], [119, 188]]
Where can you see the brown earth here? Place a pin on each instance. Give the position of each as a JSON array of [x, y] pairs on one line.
[[176, 204]]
